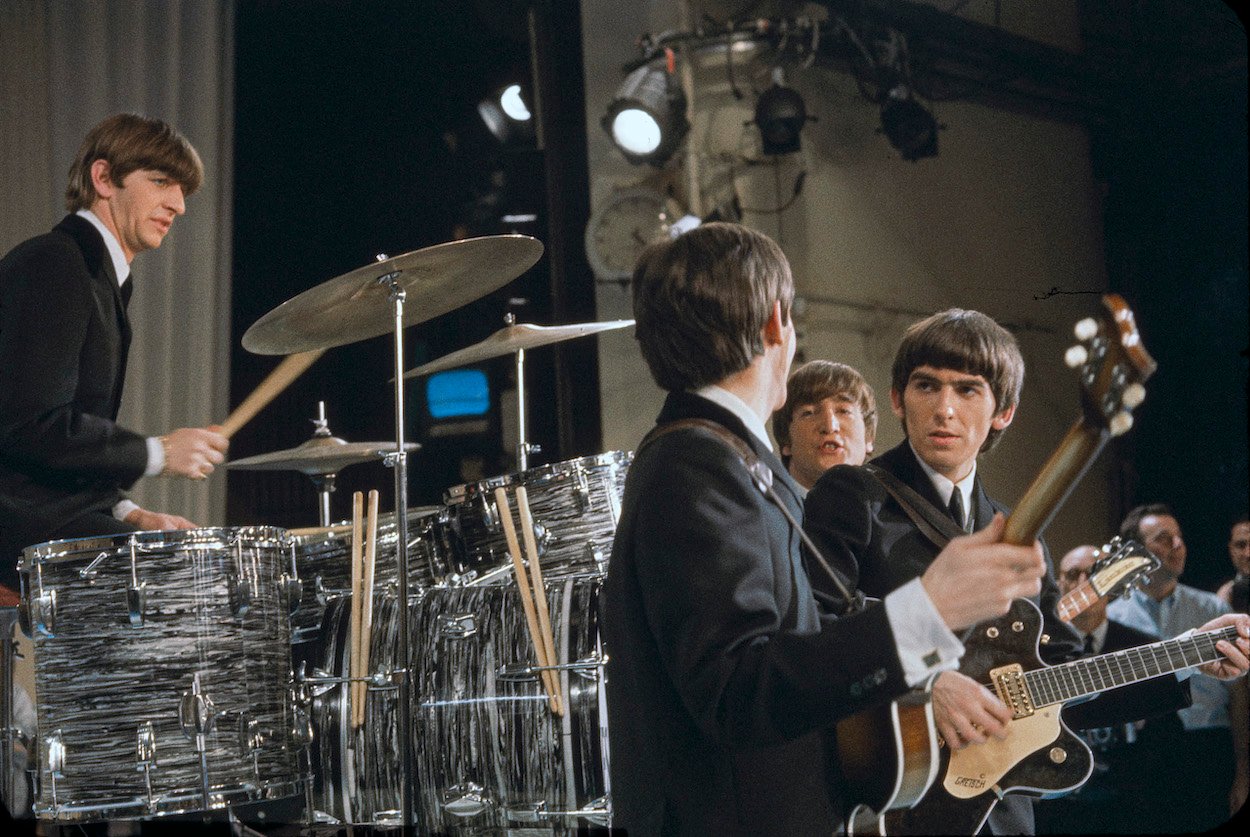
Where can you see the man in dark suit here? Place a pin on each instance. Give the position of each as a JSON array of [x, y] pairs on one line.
[[64, 335], [955, 385], [723, 672], [1129, 788]]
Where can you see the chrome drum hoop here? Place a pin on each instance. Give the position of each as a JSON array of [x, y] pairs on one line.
[[575, 507], [162, 672]]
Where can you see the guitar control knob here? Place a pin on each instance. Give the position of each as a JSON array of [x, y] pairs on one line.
[[1134, 394], [1086, 328], [1075, 356], [1120, 423]]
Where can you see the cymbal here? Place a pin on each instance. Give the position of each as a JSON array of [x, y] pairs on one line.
[[355, 306], [318, 456], [512, 338]]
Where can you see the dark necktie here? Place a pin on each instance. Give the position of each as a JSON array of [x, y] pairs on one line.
[[956, 508], [1089, 644], [128, 288]]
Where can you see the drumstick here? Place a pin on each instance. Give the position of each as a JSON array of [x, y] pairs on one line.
[[540, 590], [354, 635], [279, 379], [522, 581], [366, 594]]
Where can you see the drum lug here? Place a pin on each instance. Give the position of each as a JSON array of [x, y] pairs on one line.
[[137, 602], [582, 492], [467, 800], [145, 746], [460, 626], [242, 592], [54, 755], [43, 611], [490, 515], [542, 538], [593, 552], [196, 714], [527, 811], [293, 589], [597, 811], [89, 572]]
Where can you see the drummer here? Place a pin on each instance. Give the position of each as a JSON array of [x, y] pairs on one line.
[[65, 463]]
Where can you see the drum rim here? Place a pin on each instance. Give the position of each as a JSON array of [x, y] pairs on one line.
[[223, 536], [458, 493]]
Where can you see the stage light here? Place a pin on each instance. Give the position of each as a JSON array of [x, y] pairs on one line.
[[908, 125], [506, 114], [780, 115], [647, 119]]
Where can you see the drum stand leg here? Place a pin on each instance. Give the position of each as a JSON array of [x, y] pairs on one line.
[[399, 460]]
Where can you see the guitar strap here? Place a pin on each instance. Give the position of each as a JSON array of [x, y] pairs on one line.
[[932, 523], [762, 476]]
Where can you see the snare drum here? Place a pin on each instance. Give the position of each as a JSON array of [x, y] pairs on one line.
[[489, 753], [575, 506], [162, 672], [323, 559]]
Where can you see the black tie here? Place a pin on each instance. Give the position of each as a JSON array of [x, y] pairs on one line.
[[956, 508], [1089, 643], [128, 288]]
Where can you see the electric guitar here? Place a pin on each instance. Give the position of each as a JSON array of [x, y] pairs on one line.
[[889, 755], [1040, 755], [1120, 565]]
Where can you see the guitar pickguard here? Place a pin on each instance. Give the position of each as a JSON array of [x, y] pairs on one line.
[[974, 770]]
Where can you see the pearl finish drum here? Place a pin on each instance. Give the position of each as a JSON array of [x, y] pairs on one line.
[[162, 672], [575, 506], [490, 755]]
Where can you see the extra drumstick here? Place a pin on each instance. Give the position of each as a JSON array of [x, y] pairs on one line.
[[279, 379], [366, 594], [540, 590], [354, 634], [527, 603]]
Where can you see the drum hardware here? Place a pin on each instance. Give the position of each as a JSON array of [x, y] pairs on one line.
[[42, 611], [524, 672], [89, 572], [198, 718], [595, 555], [597, 812], [466, 800], [54, 758], [458, 626], [136, 594], [145, 757], [515, 338]]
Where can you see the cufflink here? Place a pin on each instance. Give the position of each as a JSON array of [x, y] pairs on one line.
[[932, 659]]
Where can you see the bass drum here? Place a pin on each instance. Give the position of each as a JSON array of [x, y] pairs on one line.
[[162, 672], [489, 753]]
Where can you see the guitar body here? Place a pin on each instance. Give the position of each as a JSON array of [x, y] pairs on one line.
[[1039, 757]]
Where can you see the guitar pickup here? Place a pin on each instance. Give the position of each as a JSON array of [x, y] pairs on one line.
[[1012, 690]]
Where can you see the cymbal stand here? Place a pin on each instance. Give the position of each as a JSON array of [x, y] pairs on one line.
[[323, 483], [523, 448], [399, 461]]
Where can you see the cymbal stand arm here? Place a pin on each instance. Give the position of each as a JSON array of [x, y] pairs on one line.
[[397, 297]]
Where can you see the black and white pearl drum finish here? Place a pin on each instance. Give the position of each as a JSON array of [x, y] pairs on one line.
[[324, 565], [489, 753], [575, 506], [162, 672]]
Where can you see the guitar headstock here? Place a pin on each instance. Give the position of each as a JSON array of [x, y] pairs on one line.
[[1120, 565], [1113, 364]]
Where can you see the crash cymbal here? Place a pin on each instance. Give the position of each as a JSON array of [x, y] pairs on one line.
[[355, 306], [319, 455], [511, 338]]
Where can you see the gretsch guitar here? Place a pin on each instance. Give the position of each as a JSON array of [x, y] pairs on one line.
[[890, 755]]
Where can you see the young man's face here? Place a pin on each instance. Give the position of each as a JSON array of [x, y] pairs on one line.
[[947, 416], [827, 433], [1239, 547], [142, 209]]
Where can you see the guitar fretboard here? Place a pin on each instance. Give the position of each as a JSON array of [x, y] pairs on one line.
[[1068, 681]]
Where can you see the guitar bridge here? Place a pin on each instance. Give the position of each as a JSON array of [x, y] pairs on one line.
[[1012, 690]]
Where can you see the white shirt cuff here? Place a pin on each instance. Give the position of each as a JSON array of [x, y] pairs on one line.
[[925, 645], [123, 508], [156, 457]]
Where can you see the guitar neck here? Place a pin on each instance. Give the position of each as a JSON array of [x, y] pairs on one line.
[[1080, 678], [1054, 483]]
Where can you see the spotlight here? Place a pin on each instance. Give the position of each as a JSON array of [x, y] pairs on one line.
[[780, 115], [647, 119], [908, 125], [506, 114]]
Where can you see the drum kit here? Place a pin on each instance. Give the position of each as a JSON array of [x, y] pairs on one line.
[[192, 673]]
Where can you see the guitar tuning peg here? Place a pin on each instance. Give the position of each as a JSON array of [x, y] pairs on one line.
[[1086, 328], [1120, 423], [1134, 394], [1075, 356]]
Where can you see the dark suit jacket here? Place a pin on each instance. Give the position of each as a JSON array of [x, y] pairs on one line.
[[867, 536], [63, 343], [722, 670]]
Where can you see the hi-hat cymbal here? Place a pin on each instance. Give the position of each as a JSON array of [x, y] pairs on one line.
[[512, 338], [355, 306], [318, 456]]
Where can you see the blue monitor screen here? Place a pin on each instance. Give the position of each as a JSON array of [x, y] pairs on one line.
[[458, 392]]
